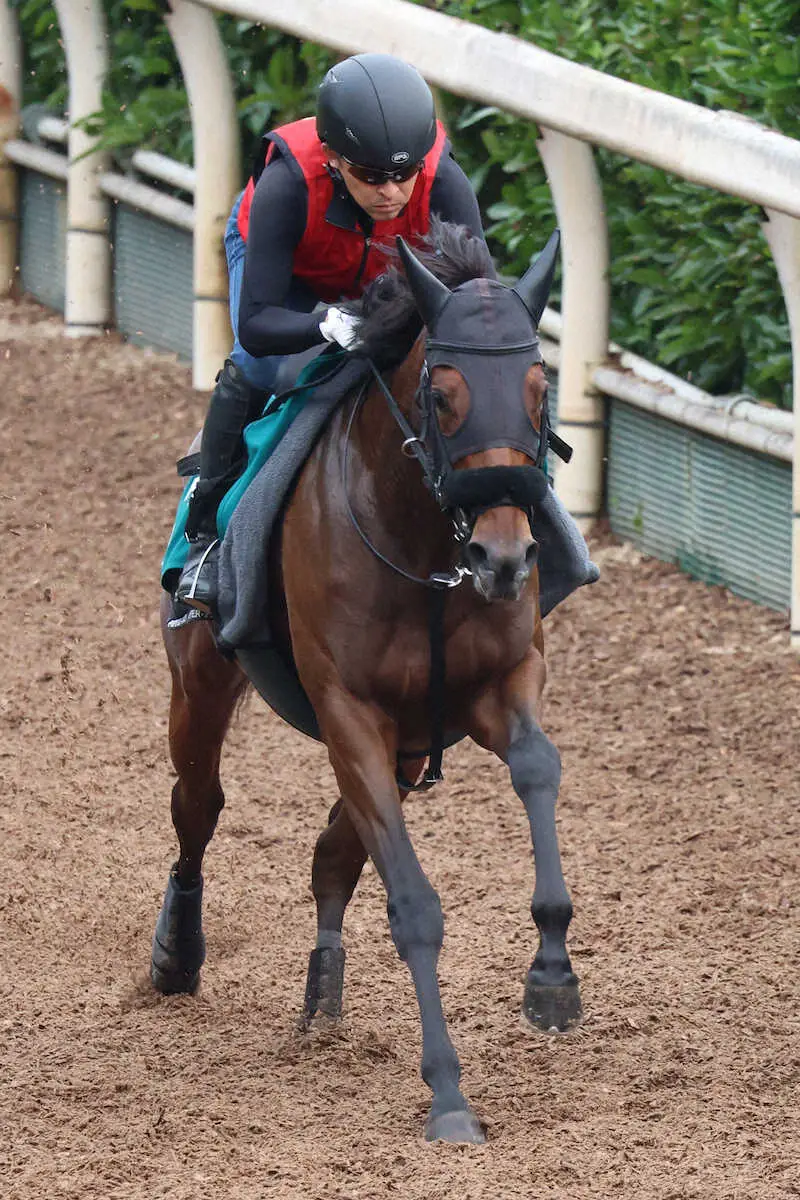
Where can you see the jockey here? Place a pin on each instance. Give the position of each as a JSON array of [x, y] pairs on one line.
[[324, 196]]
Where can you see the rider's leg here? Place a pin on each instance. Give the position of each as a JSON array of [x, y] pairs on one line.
[[234, 402], [242, 387]]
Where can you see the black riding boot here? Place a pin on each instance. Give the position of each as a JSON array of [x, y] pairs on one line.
[[234, 403]]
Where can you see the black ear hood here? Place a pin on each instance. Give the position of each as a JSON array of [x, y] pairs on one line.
[[376, 111], [534, 287], [430, 294], [485, 331]]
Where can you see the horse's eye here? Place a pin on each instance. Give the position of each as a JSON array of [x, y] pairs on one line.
[[440, 400]]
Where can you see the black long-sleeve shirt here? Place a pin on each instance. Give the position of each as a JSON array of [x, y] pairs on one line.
[[277, 223]]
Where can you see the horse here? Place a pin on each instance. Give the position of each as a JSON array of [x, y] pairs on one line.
[[416, 485]]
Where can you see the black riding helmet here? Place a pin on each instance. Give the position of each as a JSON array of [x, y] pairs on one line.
[[376, 111]]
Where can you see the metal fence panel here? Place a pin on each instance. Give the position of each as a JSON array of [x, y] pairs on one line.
[[721, 513], [153, 281], [43, 238]]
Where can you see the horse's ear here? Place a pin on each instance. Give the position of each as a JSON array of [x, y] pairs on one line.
[[429, 293], [534, 287]]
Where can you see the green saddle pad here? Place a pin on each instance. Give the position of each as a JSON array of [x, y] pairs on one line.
[[260, 439]]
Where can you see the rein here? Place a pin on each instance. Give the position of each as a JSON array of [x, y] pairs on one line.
[[439, 580], [438, 583]]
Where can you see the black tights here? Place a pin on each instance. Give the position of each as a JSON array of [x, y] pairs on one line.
[[234, 404]]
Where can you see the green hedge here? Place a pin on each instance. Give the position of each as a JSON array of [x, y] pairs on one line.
[[145, 102], [693, 283]]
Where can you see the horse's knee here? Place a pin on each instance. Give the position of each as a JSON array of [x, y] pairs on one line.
[[415, 918], [190, 801], [535, 764]]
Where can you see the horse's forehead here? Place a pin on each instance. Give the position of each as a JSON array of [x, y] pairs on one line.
[[484, 311]]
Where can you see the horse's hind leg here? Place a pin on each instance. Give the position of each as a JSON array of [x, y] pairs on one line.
[[339, 857], [205, 688], [338, 861]]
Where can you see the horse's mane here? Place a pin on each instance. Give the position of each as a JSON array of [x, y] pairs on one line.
[[390, 320]]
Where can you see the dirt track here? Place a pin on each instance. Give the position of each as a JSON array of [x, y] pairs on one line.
[[676, 709]]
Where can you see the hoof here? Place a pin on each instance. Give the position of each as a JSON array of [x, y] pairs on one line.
[[552, 1009], [324, 984], [174, 983], [459, 1128]]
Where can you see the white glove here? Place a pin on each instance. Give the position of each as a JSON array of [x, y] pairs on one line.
[[340, 327]]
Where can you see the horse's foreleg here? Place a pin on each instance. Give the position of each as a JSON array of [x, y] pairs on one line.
[[552, 1000], [362, 747], [505, 723], [205, 689], [338, 861], [339, 857]]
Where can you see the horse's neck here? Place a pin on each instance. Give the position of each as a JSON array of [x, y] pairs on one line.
[[379, 430]]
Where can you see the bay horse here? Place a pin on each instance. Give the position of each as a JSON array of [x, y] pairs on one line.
[[365, 529]]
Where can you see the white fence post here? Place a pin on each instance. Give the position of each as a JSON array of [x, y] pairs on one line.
[[217, 162], [578, 197], [88, 307], [783, 234], [10, 100]]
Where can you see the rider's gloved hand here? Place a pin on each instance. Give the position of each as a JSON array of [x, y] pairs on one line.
[[340, 327]]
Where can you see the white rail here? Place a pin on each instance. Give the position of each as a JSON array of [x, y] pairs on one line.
[[37, 158], [10, 99], [720, 149], [166, 170], [88, 306], [149, 200], [53, 129]]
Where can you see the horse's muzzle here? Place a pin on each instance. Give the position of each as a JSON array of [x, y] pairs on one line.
[[500, 572]]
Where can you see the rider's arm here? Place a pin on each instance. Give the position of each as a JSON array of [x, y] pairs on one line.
[[452, 197], [277, 222]]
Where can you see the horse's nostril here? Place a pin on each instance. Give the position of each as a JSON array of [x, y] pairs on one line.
[[531, 555], [476, 555]]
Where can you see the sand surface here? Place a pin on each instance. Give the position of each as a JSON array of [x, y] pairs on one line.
[[677, 712]]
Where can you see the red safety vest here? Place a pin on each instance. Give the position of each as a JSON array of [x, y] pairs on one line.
[[339, 262]]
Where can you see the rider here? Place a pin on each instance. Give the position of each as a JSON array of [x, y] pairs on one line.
[[308, 227]]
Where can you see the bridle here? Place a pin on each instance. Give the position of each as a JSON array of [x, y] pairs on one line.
[[465, 494], [462, 495]]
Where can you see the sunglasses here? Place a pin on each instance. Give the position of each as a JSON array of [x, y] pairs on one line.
[[374, 177]]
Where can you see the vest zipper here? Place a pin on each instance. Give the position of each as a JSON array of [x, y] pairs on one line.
[[362, 264]]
